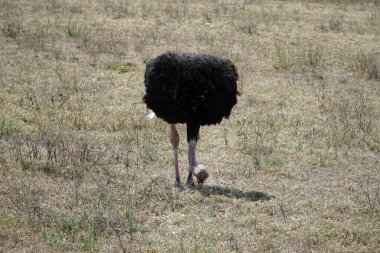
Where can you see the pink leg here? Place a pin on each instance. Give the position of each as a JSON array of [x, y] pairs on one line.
[[198, 170], [174, 139], [192, 162]]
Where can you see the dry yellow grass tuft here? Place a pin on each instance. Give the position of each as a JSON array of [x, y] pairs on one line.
[[296, 168]]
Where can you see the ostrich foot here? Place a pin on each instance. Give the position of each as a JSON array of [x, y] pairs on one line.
[[190, 181], [177, 182], [200, 172]]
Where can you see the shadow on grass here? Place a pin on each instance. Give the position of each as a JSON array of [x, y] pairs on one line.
[[233, 193]]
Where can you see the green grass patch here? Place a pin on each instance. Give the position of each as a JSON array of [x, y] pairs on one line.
[[322, 162], [7, 223], [73, 31], [275, 162], [7, 127], [122, 69]]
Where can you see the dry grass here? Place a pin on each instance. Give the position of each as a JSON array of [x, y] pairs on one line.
[[294, 169]]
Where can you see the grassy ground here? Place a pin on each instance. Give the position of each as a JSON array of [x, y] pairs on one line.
[[296, 168]]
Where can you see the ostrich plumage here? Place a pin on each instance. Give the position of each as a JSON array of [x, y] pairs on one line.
[[195, 89]]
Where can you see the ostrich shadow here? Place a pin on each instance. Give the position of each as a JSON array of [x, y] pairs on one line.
[[234, 193]]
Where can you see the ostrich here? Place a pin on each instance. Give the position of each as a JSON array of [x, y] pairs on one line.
[[195, 89]]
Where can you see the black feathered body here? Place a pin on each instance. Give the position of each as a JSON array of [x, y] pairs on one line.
[[196, 89]]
